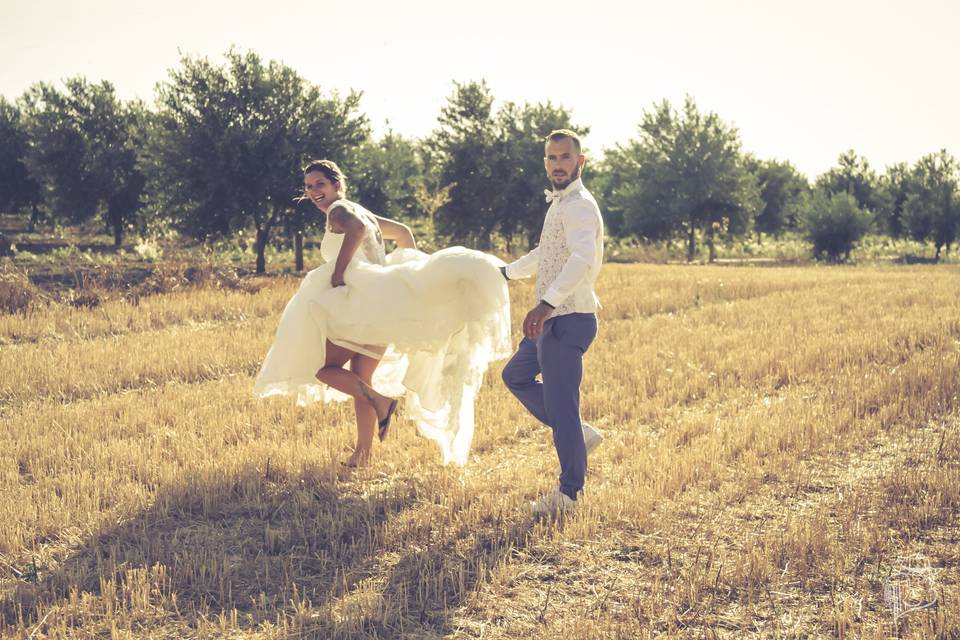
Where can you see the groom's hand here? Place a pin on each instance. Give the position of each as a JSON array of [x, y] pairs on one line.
[[533, 323]]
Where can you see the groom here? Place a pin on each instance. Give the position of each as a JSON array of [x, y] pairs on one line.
[[560, 328]]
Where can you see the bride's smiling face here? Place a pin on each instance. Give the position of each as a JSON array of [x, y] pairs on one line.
[[320, 190]]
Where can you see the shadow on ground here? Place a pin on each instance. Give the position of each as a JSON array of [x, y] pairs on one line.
[[323, 556]]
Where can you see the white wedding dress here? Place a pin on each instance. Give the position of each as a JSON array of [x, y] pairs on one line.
[[437, 321]]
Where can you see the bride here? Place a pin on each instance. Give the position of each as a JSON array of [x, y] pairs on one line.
[[426, 326]]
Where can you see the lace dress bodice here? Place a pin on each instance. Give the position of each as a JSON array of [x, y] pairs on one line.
[[371, 248]]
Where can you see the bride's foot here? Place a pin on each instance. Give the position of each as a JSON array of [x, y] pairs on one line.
[[358, 458], [356, 461]]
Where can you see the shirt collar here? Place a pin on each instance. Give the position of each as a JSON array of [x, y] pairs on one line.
[[560, 195]]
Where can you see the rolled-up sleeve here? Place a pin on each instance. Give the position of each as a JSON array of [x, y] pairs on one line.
[[581, 227]]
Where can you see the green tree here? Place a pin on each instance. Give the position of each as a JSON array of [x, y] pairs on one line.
[[782, 188], [83, 152], [487, 167], [834, 223], [893, 188], [931, 211], [601, 185], [124, 197], [227, 144], [385, 175], [464, 148], [684, 174], [17, 189], [852, 175]]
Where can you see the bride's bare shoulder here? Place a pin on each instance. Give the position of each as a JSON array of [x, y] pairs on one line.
[[341, 218]]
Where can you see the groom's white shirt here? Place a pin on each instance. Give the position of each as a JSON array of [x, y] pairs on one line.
[[568, 258]]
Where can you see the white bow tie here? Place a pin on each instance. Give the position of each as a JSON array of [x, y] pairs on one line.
[[552, 195]]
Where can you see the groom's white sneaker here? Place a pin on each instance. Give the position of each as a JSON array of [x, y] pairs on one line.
[[553, 505], [591, 437]]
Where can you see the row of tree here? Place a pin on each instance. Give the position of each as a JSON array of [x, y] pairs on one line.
[[220, 152]]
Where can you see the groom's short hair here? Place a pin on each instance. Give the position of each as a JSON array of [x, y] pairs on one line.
[[561, 134]]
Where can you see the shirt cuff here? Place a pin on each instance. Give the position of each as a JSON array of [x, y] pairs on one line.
[[552, 298]]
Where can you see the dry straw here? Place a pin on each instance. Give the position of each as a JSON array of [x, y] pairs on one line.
[[775, 440]]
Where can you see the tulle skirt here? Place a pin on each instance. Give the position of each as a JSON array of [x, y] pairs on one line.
[[437, 320]]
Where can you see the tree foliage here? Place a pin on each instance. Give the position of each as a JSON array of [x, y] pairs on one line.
[[464, 145], [892, 190], [685, 173], [83, 151], [386, 174], [227, 144], [492, 164], [18, 189], [782, 189], [834, 223], [931, 210], [852, 175]]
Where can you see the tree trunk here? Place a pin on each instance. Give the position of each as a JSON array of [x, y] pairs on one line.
[[262, 236], [117, 233], [298, 241], [298, 251], [710, 245], [691, 242], [34, 218], [484, 240]]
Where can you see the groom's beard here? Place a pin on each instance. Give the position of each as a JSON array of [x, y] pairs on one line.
[[562, 182]]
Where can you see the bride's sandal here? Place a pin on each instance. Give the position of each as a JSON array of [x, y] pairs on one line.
[[384, 425]]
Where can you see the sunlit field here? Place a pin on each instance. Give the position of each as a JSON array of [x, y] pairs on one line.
[[782, 459]]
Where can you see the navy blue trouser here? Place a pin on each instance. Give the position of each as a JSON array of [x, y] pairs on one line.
[[557, 355]]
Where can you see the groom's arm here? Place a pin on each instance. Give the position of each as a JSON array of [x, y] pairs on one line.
[[522, 267]]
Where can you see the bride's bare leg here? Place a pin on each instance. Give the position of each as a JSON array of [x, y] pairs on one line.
[[366, 407], [369, 405], [347, 380]]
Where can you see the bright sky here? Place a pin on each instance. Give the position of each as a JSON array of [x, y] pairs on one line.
[[802, 81]]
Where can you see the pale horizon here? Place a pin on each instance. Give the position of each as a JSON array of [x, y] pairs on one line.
[[800, 84]]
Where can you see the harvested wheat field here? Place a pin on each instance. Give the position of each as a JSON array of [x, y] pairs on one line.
[[782, 459]]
